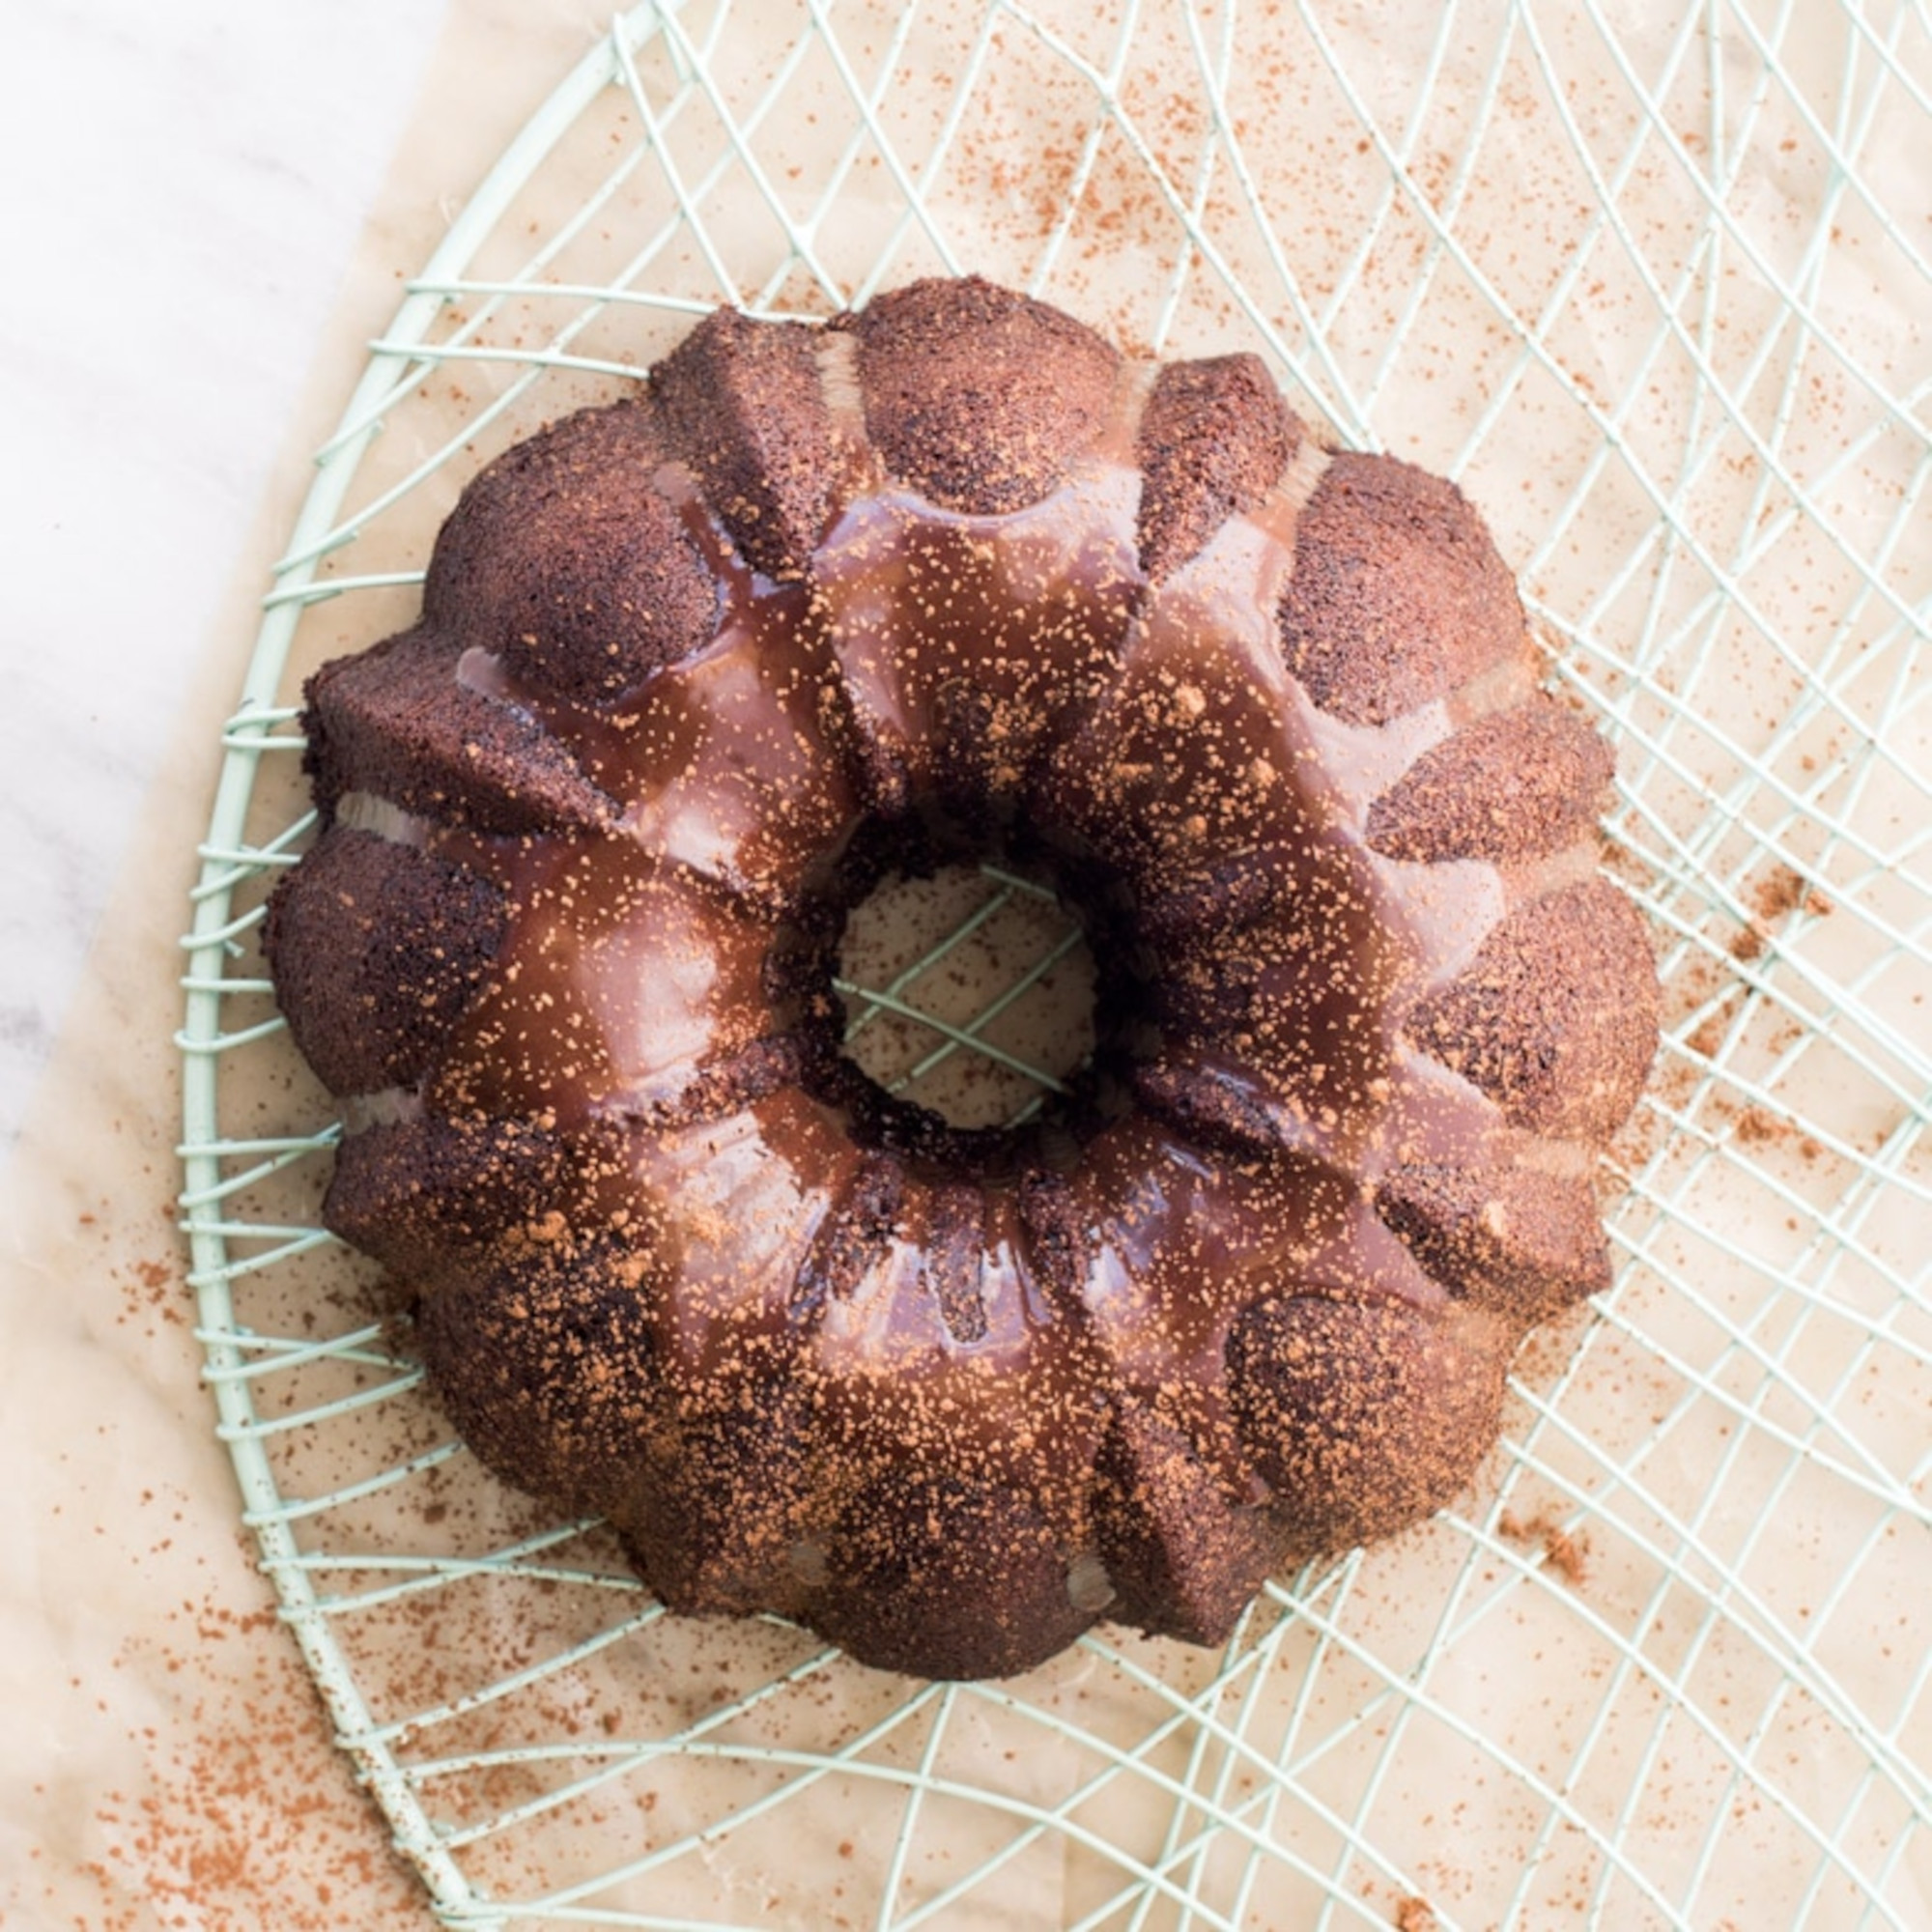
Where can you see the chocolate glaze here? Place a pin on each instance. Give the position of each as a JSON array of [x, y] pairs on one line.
[[1248, 1293]]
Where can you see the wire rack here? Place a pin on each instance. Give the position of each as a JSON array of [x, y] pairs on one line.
[[1651, 282]]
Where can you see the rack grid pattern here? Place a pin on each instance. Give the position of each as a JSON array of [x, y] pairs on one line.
[[1653, 284]]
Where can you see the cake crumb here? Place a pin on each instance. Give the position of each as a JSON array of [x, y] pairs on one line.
[[1566, 1552]]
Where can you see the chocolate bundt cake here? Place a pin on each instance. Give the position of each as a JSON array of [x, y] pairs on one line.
[[944, 580]]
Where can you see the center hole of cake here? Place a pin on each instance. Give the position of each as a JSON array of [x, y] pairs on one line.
[[969, 993]]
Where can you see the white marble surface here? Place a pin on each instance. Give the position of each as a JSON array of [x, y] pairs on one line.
[[194, 175]]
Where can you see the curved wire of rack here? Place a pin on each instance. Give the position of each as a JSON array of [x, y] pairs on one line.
[[1651, 284]]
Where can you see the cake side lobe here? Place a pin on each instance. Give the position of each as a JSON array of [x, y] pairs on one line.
[[1555, 1019], [1363, 1418], [1398, 595], [1214, 440], [425, 1196], [547, 1365], [938, 1576], [377, 951], [724, 1498], [740, 403], [1522, 1243], [397, 722], [563, 559], [977, 396], [1183, 1560], [1173, 1552], [1452, 803]]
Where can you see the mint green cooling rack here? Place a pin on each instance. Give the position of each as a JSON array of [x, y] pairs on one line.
[[1653, 283]]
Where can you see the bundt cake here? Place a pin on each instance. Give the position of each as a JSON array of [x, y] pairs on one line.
[[941, 580]]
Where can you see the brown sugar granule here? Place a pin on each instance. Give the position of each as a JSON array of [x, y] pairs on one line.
[[1776, 894], [1755, 1127], [1784, 889]]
